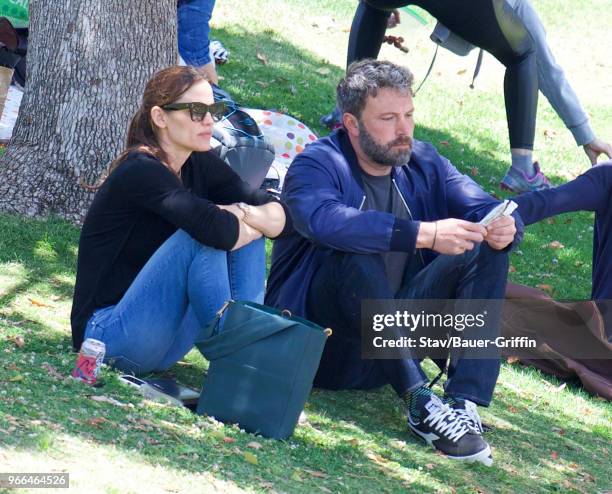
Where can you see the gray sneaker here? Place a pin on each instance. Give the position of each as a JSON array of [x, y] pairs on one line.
[[516, 181]]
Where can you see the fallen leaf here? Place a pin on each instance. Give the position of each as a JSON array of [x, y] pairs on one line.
[[18, 341], [250, 457], [554, 455], [262, 58], [96, 421], [551, 220], [587, 476], [16, 378], [546, 288], [512, 409], [38, 303], [323, 71], [52, 371], [445, 143], [429, 466], [555, 244], [254, 445], [262, 83], [12, 366], [550, 133], [228, 440], [559, 431], [474, 171], [315, 473], [512, 269], [512, 359], [354, 442], [461, 72]]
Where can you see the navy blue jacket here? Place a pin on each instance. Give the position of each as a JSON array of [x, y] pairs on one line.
[[323, 191]]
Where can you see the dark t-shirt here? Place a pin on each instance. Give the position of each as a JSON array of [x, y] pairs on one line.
[[139, 206], [381, 195]]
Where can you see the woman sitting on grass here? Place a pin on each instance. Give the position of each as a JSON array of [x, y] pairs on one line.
[[170, 235]]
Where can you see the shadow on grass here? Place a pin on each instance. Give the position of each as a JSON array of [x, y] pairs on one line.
[[45, 251], [353, 440]]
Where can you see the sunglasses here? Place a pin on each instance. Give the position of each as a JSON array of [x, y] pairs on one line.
[[198, 111]]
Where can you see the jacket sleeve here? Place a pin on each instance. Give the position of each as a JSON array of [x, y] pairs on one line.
[[150, 185], [466, 200], [313, 193]]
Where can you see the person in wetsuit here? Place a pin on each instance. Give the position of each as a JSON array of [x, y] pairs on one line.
[[512, 32]]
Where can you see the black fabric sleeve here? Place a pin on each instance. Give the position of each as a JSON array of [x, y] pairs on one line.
[[226, 187], [148, 184]]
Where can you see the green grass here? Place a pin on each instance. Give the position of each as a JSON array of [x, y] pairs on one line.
[[548, 436]]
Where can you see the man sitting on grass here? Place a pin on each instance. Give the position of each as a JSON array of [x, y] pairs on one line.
[[379, 215]]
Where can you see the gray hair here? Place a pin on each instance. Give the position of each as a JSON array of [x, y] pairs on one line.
[[364, 78]]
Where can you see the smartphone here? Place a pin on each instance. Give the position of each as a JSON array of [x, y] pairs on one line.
[[165, 390]]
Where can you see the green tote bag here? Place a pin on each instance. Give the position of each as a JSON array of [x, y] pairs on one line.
[[262, 366]]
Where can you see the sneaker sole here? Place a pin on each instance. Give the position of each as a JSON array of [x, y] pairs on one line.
[[518, 190], [485, 457]]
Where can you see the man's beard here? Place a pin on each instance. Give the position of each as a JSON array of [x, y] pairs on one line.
[[384, 154]]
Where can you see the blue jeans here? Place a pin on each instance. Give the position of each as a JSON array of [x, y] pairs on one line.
[[334, 300], [169, 305], [193, 17]]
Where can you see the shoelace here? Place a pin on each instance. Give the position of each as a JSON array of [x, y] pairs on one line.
[[444, 419], [470, 415]]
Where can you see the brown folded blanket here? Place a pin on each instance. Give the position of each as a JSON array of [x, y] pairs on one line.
[[571, 338]]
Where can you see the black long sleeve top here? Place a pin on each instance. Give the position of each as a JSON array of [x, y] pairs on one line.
[[139, 206]]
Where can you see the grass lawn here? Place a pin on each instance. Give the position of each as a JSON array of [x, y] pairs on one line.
[[547, 436]]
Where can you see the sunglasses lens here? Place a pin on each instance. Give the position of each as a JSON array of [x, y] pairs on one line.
[[199, 111], [217, 110]]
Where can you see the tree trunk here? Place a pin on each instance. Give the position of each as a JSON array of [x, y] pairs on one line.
[[88, 62]]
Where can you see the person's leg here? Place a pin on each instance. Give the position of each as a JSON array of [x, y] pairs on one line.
[[246, 271], [334, 300], [365, 39], [493, 26], [367, 31], [479, 274], [551, 78], [591, 191], [141, 329], [193, 30]]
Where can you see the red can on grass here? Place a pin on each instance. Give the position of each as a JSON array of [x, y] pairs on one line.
[[89, 361]]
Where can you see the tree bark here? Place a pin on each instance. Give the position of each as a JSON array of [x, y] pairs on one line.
[[88, 63]]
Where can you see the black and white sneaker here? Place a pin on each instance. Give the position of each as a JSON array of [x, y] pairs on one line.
[[441, 427], [466, 410]]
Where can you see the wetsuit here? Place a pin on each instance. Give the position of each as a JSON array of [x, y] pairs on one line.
[[489, 24]]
